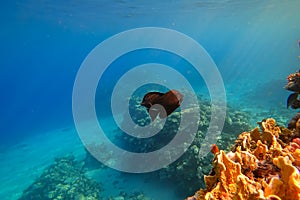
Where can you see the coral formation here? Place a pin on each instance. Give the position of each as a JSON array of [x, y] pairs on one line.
[[66, 179], [133, 196], [294, 86], [183, 170], [262, 164], [63, 180]]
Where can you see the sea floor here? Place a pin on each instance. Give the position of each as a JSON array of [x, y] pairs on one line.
[[23, 163]]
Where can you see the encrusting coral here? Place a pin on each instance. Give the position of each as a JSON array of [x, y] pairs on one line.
[[65, 179], [262, 164]]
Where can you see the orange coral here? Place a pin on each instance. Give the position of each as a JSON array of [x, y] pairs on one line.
[[260, 166], [296, 156], [214, 149], [228, 181], [269, 125], [288, 186], [226, 172], [261, 151]]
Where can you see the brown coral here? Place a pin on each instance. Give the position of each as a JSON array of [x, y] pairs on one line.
[[260, 166]]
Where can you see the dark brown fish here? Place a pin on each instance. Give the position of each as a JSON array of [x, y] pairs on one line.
[[170, 101]]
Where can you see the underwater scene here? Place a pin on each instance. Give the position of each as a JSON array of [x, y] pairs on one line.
[[150, 100]]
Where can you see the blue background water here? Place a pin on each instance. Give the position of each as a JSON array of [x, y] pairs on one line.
[[43, 44]]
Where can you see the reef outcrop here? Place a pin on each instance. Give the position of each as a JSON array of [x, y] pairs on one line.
[[183, 170], [64, 179], [263, 164]]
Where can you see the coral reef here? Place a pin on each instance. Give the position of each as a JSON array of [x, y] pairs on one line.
[[126, 196], [183, 170], [90, 162], [263, 164], [294, 86], [64, 179], [294, 123]]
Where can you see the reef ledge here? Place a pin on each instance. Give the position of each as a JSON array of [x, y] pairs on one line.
[[262, 164]]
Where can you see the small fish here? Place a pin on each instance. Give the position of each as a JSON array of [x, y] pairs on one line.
[[170, 101]]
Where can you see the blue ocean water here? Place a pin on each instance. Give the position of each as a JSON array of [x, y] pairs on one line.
[[43, 44]]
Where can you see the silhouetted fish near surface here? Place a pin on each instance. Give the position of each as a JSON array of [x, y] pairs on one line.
[[170, 101]]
